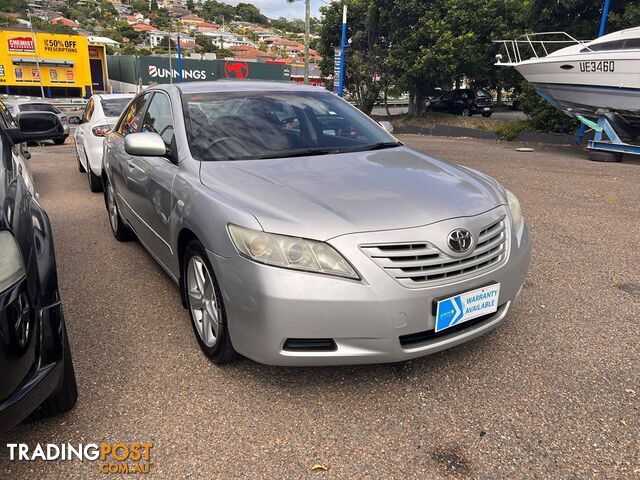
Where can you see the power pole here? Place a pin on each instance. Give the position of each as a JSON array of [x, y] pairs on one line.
[[307, 28], [35, 51]]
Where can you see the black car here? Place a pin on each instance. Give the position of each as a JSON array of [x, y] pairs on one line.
[[464, 101], [36, 371]]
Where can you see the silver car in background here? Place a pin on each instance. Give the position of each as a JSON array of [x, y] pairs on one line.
[[300, 232]]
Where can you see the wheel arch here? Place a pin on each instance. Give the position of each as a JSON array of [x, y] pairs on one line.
[[185, 237]]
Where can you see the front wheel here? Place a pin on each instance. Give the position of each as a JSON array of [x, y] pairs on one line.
[[121, 231], [95, 182], [205, 305], [487, 114], [59, 140], [80, 167]]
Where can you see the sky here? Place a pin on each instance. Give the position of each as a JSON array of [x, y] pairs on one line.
[[281, 8]]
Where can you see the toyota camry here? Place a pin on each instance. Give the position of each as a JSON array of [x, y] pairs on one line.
[[301, 232]]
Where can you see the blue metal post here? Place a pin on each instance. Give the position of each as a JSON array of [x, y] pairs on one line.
[[343, 48], [605, 14], [601, 32], [179, 60]]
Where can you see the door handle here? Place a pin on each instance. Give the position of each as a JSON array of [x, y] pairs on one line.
[[133, 166]]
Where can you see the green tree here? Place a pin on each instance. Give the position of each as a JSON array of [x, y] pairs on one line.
[[215, 11], [365, 72], [140, 6], [250, 13]]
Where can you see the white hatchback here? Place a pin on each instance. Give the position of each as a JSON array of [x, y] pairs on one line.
[[99, 116]]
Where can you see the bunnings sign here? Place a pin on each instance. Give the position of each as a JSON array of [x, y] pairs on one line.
[[161, 70], [152, 70]]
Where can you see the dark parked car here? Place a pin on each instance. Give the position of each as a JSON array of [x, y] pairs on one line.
[[36, 370], [465, 101]]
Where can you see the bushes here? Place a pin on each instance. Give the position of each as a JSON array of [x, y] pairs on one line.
[[510, 131], [543, 116]]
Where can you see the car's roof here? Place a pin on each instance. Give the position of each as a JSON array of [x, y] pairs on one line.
[[241, 86], [110, 96], [23, 101]]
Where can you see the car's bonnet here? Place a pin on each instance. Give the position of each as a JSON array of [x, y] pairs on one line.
[[326, 196]]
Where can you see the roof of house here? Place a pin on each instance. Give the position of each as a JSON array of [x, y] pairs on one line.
[[142, 27], [247, 51], [63, 21], [191, 18]]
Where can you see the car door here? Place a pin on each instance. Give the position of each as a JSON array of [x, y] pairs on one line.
[[122, 169], [81, 131], [151, 180], [443, 104]]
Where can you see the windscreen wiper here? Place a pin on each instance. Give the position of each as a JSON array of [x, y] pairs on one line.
[[375, 146], [299, 153]]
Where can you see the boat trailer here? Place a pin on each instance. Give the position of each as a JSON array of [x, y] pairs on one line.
[[606, 139]]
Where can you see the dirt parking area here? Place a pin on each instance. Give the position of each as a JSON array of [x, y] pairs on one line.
[[553, 393]]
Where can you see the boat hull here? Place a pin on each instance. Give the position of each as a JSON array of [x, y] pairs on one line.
[[589, 99]]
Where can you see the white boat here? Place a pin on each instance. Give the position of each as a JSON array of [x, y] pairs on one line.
[[585, 77]]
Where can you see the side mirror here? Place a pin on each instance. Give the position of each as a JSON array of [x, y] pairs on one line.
[[75, 120], [145, 144], [34, 126], [387, 126]]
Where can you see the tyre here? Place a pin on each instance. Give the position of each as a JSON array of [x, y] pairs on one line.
[[80, 167], [600, 156], [59, 140], [95, 183], [465, 112], [205, 305], [66, 397], [120, 230], [487, 114]]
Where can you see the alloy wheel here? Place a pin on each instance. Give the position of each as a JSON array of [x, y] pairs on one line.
[[203, 301]]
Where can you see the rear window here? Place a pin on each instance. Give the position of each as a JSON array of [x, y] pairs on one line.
[[113, 107], [482, 93], [38, 107]]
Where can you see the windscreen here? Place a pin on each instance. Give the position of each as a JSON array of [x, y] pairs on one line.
[[113, 107], [482, 93], [38, 107], [255, 125]]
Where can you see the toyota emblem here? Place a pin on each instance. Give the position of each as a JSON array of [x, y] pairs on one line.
[[460, 240]]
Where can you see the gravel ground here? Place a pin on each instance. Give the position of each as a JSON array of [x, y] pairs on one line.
[[553, 393]]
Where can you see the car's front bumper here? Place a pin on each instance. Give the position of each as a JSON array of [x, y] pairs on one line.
[[45, 376], [266, 305]]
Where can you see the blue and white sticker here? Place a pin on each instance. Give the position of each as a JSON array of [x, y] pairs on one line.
[[467, 306]]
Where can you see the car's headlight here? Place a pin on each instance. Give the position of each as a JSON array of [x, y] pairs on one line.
[[11, 268], [516, 214], [290, 252]]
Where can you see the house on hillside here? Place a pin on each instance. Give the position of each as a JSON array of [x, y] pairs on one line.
[[64, 22], [250, 54]]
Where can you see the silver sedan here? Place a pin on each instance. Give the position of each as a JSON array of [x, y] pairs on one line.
[[300, 232]]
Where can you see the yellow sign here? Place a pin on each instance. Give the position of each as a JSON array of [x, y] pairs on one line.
[[53, 59]]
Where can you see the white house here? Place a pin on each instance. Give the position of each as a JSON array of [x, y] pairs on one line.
[[153, 38]]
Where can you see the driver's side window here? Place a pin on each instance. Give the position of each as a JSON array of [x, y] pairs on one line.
[[159, 119], [131, 120]]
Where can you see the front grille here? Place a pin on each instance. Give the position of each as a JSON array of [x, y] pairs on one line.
[[421, 264], [310, 345]]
